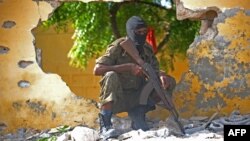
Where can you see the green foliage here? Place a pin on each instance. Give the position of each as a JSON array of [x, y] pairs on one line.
[[181, 35], [60, 130], [93, 31], [52, 138], [63, 129], [154, 16]]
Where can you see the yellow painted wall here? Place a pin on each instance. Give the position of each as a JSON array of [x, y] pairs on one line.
[[221, 4], [218, 79], [55, 47], [47, 101]]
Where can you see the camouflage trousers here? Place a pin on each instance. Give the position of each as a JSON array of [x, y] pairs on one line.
[[123, 99]]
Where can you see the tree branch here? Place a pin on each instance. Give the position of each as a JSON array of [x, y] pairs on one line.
[[163, 42], [116, 6], [113, 11]]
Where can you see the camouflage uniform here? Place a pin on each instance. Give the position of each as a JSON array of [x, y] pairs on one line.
[[124, 88]]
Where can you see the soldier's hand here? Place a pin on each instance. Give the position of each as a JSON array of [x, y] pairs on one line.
[[136, 70]]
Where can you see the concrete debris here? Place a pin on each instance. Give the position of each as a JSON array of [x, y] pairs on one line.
[[80, 134], [2, 126], [161, 130], [199, 118]]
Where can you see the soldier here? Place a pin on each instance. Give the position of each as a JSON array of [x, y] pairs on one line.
[[123, 80]]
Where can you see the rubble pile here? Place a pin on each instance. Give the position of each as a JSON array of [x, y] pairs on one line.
[[160, 130]]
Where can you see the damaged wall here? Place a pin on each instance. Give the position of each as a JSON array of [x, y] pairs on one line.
[[219, 75], [218, 78], [28, 96], [55, 47]]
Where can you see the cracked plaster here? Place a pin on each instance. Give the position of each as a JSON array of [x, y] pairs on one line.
[[218, 79], [30, 97]]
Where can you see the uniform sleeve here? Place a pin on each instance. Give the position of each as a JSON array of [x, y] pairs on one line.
[[110, 56]]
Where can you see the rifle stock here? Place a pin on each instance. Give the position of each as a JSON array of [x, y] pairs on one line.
[[153, 78], [129, 47]]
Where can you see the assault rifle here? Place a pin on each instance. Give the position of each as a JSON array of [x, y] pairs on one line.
[[154, 82]]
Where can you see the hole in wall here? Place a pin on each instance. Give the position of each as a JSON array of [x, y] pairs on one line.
[[8, 24], [4, 50], [51, 55], [23, 64], [17, 105], [38, 56], [54, 48], [36, 106], [23, 84]]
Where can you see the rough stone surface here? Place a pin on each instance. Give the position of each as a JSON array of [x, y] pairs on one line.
[[231, 12], [220, 19], [29, 96], [219, 69], [201, 13], [228, 56], [247, 12], [163, 130], [86, 134]]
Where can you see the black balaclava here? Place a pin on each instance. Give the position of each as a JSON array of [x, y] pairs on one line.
[[132, 24]]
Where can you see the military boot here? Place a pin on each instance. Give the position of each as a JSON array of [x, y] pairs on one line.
[[138, 117], [106, 129]]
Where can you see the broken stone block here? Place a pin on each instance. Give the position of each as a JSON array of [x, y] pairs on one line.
[[87, 134]]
